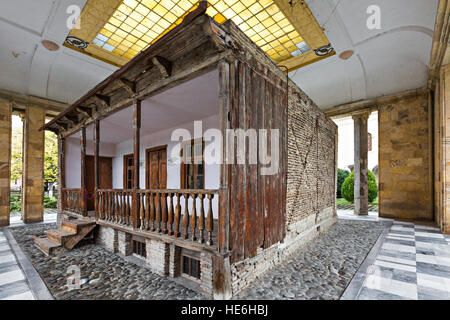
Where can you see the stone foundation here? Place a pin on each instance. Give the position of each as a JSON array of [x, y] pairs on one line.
[[107, 238], [158, 254], [124, 243]]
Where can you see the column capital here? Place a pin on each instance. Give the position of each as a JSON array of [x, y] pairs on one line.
[[361, 115]]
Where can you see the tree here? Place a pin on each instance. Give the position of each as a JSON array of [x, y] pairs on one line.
[[342, 175], [348, 192]]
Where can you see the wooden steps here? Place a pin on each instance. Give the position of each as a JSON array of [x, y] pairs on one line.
[[71, 233]]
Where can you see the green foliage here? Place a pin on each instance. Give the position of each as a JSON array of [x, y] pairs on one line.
[[342, 175], [50, 160], [15, 203], [347, 187], [16, 154], [50, 202]]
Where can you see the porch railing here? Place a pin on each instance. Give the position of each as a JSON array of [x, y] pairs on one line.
[[71, 200], [184, 213]]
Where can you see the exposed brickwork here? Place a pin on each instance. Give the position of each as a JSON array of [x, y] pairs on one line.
[[174, 260], [311, 159], [5, 156], [108, 238], [124, 243], [404, 153], [206, 276], [158, 254]]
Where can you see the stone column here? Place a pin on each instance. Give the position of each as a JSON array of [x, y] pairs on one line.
[[33, 165], [5, 161], [361, 173]]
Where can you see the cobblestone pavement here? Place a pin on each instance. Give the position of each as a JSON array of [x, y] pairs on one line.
[[111, 276], [323, 268]]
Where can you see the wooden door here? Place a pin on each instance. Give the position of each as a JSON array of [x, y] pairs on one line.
[[105, 178], [156, 168]]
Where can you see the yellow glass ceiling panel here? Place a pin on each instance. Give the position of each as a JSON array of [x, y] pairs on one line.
[[136, 24]]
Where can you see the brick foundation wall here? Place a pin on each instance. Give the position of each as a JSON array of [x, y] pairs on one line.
[[124, 243], [107, 238], [405, 189], [158, 254]]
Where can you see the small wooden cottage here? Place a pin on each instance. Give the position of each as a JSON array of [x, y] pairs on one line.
[[217, 226]]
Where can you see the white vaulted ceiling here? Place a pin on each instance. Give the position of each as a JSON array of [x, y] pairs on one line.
[[26, 67], [386, 61]]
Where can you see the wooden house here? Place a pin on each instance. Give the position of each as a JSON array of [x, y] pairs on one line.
[[217, 226]]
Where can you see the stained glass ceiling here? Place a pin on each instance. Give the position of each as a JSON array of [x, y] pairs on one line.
[[135, 24]]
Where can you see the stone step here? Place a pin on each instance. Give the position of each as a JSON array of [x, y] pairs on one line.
[[59, 235], [46, 245], [76, 225]]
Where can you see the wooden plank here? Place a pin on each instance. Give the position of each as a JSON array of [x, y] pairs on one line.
[[260, 103], [241, 169], [83, 172], [268, 179], [226, 80]]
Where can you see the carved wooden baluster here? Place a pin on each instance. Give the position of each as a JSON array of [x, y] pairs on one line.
[[124, 208], [177, 216], [158, 211], [152, 211], [103, 206], [141, 210], [111, 206], [194, 216], [147, 211], [128, 220], [164, 212], [170, 216], [186, 216], [210, 220], [201, 220], [116, 206]]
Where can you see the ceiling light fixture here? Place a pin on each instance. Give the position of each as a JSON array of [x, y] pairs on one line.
[[50, 45], [346, 54]]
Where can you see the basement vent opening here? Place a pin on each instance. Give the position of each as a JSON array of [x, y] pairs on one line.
[[138, 248], [190, 267]]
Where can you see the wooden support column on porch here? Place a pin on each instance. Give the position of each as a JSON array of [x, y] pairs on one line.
[[61, 172], [83, 204], [96, 162], [136, 161]]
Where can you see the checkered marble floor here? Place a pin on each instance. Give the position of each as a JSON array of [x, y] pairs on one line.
[[13, 285], [413, 263]]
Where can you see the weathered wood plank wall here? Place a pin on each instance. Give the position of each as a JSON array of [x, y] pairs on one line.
[[257, 203]]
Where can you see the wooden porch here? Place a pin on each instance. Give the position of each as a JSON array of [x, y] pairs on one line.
[[185, 216]]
